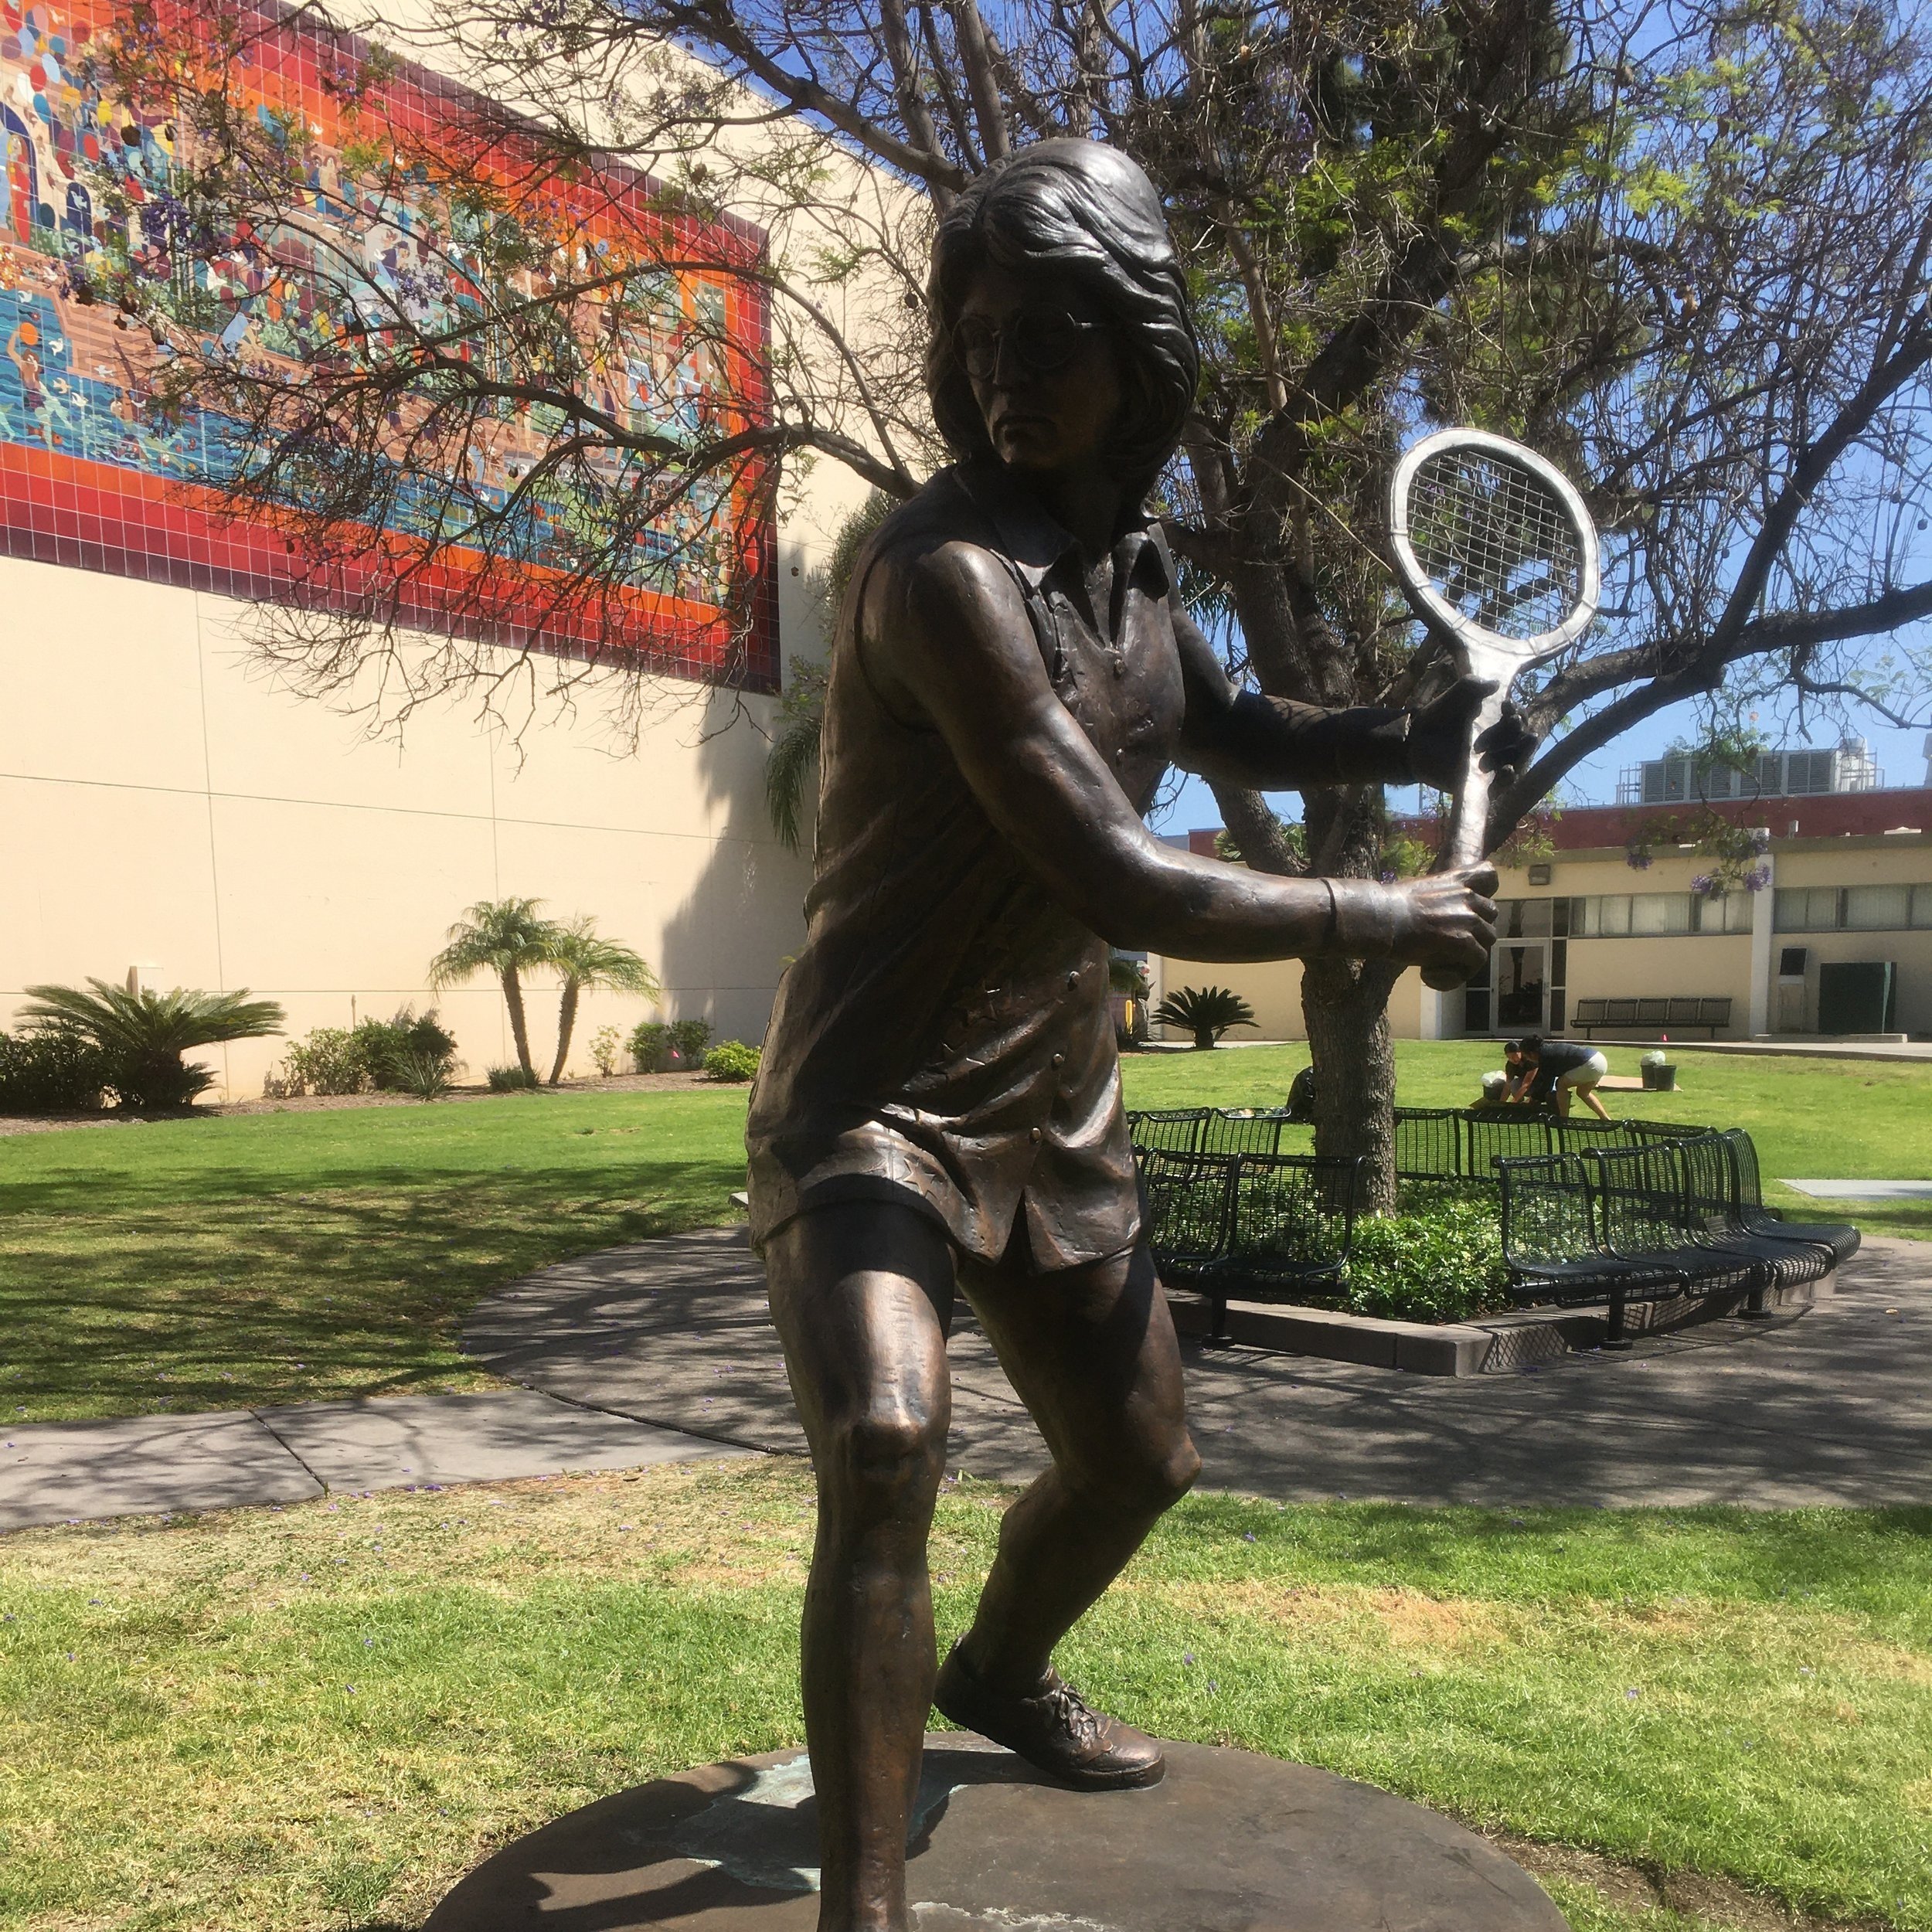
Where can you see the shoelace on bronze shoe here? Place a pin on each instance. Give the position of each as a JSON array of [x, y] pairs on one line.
[[1073, 1714]]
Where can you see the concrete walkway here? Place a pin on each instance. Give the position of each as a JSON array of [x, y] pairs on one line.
[[133, 1465], [1834, 1405], [662, 1351]]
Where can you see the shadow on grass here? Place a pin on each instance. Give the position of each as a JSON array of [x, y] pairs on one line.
[[1875, 1560], [127, 1294], [1910, 1220]]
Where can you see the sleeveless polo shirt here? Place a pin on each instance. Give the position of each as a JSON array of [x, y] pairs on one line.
[[944, 1038]]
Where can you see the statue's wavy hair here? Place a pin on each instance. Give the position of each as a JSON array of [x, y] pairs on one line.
[[1087, 210]]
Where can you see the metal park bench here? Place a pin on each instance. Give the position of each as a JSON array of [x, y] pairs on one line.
[[1488, 1138], [1627, 1211], [1175, 1130], [1188, 1201], [1428, 1143], [1251, 1226], [1650, 1222], [1711, 1014], [1256, 1131], [1710, 1175], [1574, 1134], [1551, 1242], [1555, 1246], [1839, 1238], [1667, 1216]]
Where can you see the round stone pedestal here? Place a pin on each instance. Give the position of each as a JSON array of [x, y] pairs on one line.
[[1229, 1843]]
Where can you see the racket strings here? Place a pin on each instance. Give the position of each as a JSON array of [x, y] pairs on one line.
[[1496, 543]]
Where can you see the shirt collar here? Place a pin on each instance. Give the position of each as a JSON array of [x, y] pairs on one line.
[[1035, 541]]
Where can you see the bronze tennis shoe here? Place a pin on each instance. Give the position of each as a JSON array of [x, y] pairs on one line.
[[1053, 1728]]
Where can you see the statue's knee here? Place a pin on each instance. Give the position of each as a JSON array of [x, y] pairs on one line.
[[1147, 1484], [889, 1451], [1178, 1471]]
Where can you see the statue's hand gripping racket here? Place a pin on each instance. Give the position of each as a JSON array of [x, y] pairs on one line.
[[1497, 556]]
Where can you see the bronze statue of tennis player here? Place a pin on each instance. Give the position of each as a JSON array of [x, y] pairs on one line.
[[940, 1103]]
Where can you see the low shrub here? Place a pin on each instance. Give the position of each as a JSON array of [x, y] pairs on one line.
[[1439, 1259], [406, 1039], [426, 1075], [606, 1044], [659, 1046], [511, 1079], [649, 1042], [56, 1070], [689, 1038], [731, 1059], [388, 1056], [328, 1059]]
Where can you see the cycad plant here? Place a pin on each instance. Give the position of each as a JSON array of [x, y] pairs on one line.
[[142, 1035], [505, 937], [588, 959], [1205, 1011]]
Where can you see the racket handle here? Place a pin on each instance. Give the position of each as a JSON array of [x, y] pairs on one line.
[[1468, 825]]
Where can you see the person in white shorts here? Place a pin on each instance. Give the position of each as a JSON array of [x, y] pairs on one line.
[[1556, 1069]]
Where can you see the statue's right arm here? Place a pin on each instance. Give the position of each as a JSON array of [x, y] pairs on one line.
[[945, 641]]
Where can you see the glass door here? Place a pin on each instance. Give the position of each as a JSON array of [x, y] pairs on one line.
[[1522, 971]]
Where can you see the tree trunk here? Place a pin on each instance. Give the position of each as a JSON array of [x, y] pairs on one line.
[[513, 999], [1345, 1004], [567, 1021]]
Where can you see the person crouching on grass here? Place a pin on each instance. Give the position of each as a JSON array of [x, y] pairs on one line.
[[1555, 1070]]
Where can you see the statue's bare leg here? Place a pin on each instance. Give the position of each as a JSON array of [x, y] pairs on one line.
[[861, 1292], [1092, 1352]]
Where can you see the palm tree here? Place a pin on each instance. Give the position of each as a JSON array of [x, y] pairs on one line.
[[585, 959], [143, 1035], [505, 937]]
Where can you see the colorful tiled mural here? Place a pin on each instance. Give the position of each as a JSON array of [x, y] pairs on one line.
[[92, 476]]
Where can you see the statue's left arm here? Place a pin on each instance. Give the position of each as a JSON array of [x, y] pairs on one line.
[[1243, 737]]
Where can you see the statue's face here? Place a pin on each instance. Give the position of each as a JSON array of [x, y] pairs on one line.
[[1045, 369]]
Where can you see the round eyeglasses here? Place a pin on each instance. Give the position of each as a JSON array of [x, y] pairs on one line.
[[1042, 340]]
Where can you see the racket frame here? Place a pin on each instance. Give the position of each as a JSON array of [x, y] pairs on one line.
[[1482, 652], [1436, 611]]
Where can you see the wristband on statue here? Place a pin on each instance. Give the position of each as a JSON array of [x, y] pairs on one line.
[[1362, 921]]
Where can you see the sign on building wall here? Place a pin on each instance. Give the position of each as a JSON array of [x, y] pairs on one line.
[[94, 475]]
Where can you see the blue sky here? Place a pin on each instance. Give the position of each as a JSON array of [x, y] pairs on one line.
[[1898, 753]]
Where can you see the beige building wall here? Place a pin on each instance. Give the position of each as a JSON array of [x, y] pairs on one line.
[[1702, 964], [168, 810], [1273, 989], [1889, 860]]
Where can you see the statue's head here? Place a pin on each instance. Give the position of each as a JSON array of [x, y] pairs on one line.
[[1083, 222]]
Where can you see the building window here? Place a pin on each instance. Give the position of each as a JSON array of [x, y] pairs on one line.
[[1806, 909], [1877, 908], [1660, 915], [1729, 912]]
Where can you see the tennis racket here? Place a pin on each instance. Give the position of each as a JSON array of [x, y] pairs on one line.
[[1499, 557]]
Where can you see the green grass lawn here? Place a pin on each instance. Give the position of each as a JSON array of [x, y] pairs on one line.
[[285, 1257], [312, 1720]]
